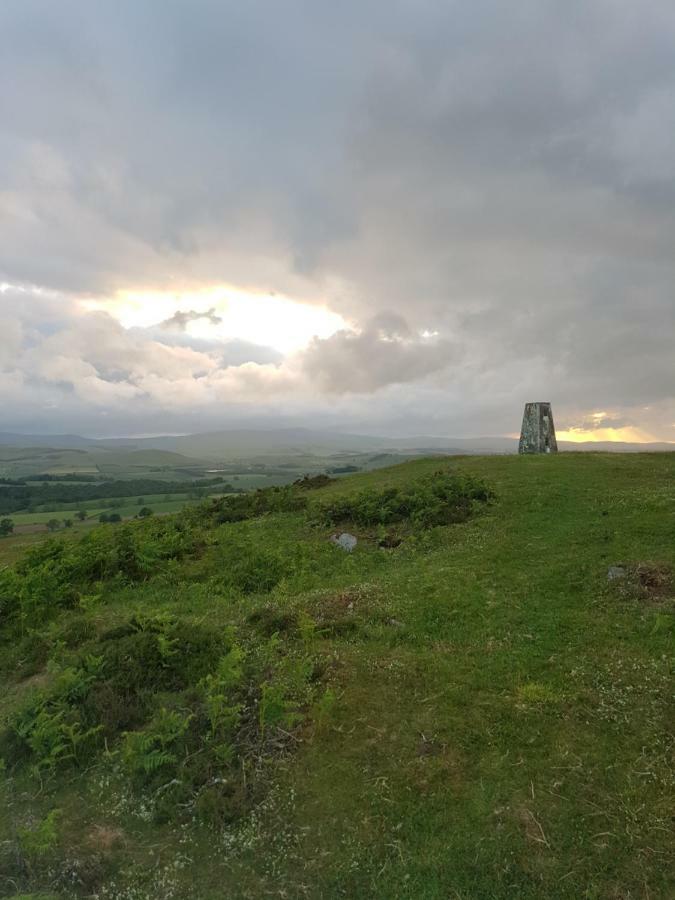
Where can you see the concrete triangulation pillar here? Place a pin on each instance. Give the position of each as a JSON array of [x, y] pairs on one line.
[[538, 432]]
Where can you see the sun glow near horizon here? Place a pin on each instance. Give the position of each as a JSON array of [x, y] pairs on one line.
[[226, 313], [627, 434], [595, 429], [602, 431]]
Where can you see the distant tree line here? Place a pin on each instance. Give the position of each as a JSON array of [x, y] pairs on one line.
[[73, 476], [18, 495]]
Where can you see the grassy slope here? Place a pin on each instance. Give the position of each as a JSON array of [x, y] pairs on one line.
[[14, 547], [501, 722]]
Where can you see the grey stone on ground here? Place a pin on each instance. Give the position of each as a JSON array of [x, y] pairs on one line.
[[615, 572], [345, 541]]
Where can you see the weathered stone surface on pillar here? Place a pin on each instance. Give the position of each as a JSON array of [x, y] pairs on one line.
[[538, 432]]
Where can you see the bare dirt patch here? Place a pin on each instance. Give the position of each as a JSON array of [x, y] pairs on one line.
[[534, 831], [342, 611], [647, 582], [104, 838]]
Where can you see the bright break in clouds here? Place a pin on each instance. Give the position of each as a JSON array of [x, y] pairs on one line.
[[400, 217]]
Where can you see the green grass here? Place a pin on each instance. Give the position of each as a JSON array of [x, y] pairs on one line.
[[130, 508], [14, 547], [252, 481], [133, 499], [127, 507], [41, 518], [501, 717]]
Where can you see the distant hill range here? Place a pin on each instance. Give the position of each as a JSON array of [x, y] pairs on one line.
[[240, 443]]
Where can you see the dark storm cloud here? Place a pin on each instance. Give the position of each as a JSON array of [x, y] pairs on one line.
[[502, 174]]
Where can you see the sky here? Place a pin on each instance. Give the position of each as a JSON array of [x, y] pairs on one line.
[[402, 217]]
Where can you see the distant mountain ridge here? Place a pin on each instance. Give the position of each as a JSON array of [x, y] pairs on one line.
[[241, 442], [58, 441]]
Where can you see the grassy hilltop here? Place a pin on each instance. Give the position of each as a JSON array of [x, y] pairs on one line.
[[222, 703]]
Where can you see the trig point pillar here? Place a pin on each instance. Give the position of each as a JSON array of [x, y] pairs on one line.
[[538, 432]]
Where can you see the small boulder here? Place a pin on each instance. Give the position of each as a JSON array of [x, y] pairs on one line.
[[344, 541], [615, 572]]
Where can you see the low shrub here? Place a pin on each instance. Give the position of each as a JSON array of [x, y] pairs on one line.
[[50, 729], [180, 707], [27, 654], [55, 574], [40, 841], [112, 686], [312, 482], [156, 747], [273, 619], [439, 499], [251, 570], [240, 507]]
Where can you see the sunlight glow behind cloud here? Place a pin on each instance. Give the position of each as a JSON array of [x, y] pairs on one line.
[[269, 319], [628, 434], [505, 180]]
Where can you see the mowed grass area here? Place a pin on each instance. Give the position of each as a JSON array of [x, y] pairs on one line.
[[501, 715]]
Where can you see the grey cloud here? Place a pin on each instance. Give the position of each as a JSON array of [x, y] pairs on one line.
[[227, 351], [238, 353], [500, 174], [386, 352]]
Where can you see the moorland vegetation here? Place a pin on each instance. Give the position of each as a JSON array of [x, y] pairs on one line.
[[223, 700]]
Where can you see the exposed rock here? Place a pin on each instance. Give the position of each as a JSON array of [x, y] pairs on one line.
[[345, 541], [615, 572]]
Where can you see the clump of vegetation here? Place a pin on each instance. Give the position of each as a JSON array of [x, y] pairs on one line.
[[273, 619], [56, 574], [240, 507], [40, 840], [173, 705], [109, 518], [312, 482], [441, 498], [252, 570]]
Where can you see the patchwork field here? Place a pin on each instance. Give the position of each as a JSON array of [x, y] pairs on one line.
[[223, 703], [144, 471]]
